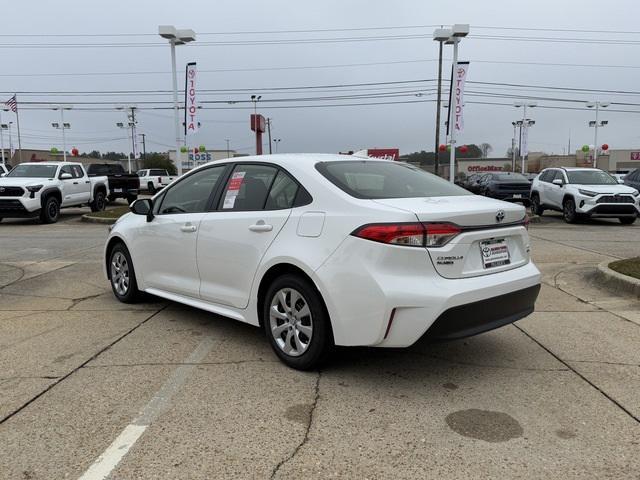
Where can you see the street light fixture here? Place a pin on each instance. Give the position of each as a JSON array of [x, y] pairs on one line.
[[276, 141], [176, 37], [595, 124], [524, 125], [62, 126], [455, 34]]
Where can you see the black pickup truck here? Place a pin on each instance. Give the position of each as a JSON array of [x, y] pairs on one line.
[[121, 184]]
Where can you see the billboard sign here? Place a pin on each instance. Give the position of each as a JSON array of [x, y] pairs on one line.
[[190, 105], [384, 153]]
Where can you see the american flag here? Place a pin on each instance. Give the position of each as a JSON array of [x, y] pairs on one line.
[[12, 103]]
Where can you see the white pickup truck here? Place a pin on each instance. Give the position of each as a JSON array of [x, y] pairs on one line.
[[154, 179], [42, 189]]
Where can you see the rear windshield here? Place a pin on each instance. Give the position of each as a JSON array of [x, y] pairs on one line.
[[590, 177], [510, 176], [100, 169], [158, 173], [387, 179]]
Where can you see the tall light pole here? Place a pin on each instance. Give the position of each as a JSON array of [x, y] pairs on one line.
[[276, 141], [62, 126], [440, 35], [458, 31], [513, 146], [526, 123], [2, 139], [176, 37], [256, 125], [596, 124], [227, 140]]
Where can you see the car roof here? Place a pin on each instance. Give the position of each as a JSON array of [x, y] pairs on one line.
[[298, 159], [50, 163]]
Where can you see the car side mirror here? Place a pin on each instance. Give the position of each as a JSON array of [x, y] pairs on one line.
[[143, 206], [66, 176], [558, 181]]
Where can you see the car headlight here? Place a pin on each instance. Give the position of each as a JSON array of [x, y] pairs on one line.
[[587, 193], [635, 193], [33, 188]]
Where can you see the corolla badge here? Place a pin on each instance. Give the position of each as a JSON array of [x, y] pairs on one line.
[[500, 216]]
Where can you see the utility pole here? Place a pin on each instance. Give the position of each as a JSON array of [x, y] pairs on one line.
[[227, 140], [144, 146], [269, 134], [439, 37]]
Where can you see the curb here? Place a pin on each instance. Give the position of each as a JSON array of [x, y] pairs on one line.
[[105, 221], [617, 281]]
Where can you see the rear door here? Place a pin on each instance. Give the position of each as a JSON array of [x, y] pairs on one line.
[[253, 207]]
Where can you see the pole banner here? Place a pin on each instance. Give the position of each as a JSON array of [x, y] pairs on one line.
[[190, 105], [460, 80]]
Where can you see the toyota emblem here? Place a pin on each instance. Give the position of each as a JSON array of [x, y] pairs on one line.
[[1, 189], [500, 216]]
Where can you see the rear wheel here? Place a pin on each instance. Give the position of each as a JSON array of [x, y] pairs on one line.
[[296, 322], [569, 211], [627, 220], [122, 275], [536, 208], [51, 210], [151, 188], [99, 202]]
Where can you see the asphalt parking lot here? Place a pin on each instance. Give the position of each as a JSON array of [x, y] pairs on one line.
[[159, 390]]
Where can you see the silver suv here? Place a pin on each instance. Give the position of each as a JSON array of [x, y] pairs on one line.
[[583, 192]]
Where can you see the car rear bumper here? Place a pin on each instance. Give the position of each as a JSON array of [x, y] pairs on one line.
[[484, 315]]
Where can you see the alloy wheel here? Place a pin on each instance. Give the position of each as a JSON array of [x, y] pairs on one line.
[[120, 273], [291, 321]]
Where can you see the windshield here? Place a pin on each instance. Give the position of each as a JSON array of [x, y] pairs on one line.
[[33, 171], [510, 176], [590, 177], [375, 179]]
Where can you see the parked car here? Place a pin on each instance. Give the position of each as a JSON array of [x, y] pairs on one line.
[[508, 186], [632, 179], [472, 182], [154, 179], [324, 250], [121, 184], [42, 189], [583, 192], [3, 169]]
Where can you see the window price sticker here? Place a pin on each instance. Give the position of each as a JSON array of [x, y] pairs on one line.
[[232, 190]]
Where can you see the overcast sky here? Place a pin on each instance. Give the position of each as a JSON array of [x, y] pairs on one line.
[[409, 126]]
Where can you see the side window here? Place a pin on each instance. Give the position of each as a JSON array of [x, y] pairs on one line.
[[558, 176], [283, 192], [191, 194], [66, 169], [248, 187], [77, 171], [548, 176]]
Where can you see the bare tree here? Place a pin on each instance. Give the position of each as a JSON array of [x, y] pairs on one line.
[[486, 149]]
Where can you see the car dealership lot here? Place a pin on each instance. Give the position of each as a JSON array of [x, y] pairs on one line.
[[199, 396]]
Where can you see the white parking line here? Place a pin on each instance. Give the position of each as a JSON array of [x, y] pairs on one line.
[[113, 455]]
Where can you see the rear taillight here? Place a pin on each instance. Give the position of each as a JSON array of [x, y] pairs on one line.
[[409, 234]]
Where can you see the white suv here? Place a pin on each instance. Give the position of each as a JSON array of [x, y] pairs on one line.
[[583, 192]]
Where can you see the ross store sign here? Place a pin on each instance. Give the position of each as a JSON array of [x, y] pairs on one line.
[[190, 105]]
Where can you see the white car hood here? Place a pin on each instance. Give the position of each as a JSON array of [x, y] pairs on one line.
[[612, 189], [23, 181]]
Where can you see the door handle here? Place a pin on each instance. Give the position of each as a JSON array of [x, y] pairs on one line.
[[75, 183], [260, 227], [188, 228]]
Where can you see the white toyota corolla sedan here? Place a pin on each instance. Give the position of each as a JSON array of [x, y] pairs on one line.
[[324, 250]]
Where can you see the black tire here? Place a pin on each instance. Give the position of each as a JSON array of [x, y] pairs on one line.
[[536, 208], [0, 219], [99, 202], [125, 291], [569, 211], [151, 188], [50, 211], [319, 345], [131, 199], [627, 220]]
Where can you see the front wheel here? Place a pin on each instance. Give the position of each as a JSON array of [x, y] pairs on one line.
[[51, 210], [296, 322], [99, 202], [569, 211], [627, 220], [122, 275], [536, 208]]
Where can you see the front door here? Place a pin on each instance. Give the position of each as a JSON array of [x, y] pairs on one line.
[[253, 208], [165, 248]]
